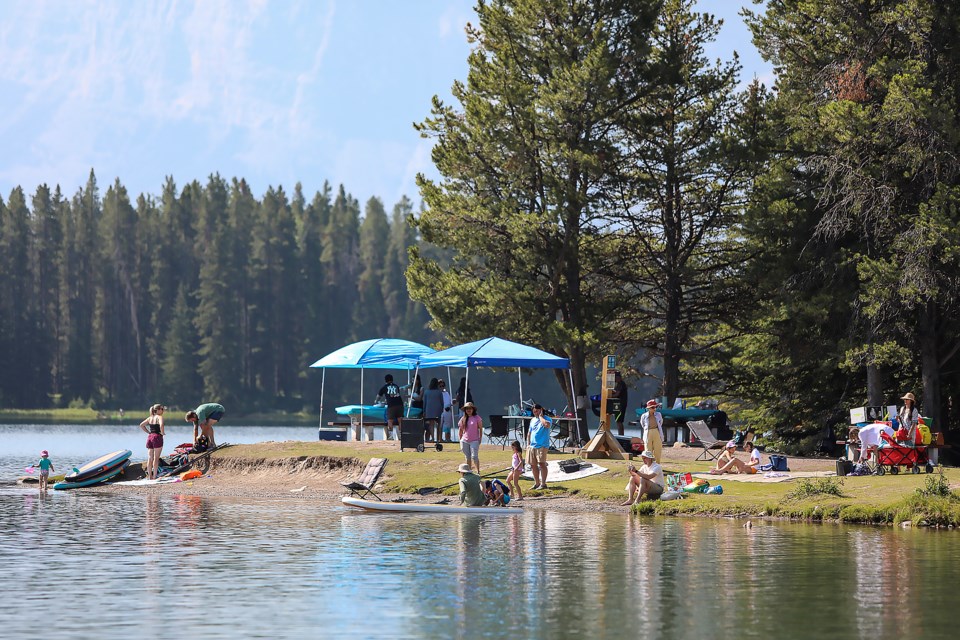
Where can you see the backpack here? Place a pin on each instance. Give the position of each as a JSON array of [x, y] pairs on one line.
[[779, 462]]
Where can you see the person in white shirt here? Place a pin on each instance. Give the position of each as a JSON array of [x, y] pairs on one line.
[[736, 465], [652, 438], [646, 481], [870, 438]]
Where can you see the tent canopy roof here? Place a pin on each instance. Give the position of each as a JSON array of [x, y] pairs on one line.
[[378, 353], [494, 352]]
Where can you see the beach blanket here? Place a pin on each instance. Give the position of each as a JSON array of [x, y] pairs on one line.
[[556, 474], [770, 476]]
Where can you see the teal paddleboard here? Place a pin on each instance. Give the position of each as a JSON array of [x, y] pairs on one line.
[[95, 480], [98, 467]]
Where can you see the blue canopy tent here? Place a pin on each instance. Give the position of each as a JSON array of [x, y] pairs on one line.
[[378, 353], [496, 352]]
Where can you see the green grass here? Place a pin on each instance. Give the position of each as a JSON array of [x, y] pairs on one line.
[[866, 499]]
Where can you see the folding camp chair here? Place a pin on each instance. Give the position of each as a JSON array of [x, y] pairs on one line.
[[499, 431], [559, 434], [704, 438], [364, 485]]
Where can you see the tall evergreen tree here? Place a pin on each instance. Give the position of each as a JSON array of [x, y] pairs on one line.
[[526, 196], [370, 318]]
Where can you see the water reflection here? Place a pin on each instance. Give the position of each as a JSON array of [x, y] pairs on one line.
[[84, 562]]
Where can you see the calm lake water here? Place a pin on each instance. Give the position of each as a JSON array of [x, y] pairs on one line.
[[78, 564]]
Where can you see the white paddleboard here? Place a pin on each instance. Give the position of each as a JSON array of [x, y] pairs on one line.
[[423, 507]]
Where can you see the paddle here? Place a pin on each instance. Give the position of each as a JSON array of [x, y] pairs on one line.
[[428, 490]]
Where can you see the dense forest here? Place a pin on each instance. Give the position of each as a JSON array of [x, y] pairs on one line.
[[604, 187], [206, 292]]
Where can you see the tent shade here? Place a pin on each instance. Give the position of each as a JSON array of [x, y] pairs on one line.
[[378, 353], [494, 352]]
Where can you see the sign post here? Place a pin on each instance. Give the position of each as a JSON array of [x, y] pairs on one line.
[[603, 444]]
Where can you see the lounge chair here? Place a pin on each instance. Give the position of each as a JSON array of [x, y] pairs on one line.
[[704, 438], [363, 485], [499, 431]]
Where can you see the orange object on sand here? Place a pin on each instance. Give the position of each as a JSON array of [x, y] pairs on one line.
[[190, 475]]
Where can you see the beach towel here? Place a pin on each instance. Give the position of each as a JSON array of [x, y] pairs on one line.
[[557, 474], [771, 476]]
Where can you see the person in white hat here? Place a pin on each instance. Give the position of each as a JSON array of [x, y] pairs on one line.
[[728, 462], [647, 481], [909, 416], [652, 437], [471, 493]]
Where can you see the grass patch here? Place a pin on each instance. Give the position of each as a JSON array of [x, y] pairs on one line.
[[816, 487]]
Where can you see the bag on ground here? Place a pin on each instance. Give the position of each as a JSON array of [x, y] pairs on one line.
[[779, 462]]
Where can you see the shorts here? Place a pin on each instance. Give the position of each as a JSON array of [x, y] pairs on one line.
[[471, 450], [394, 412], [154, 441], [506, 499], [655, 491], [44, 473], [751, 470], [537, 456], [216, 415]]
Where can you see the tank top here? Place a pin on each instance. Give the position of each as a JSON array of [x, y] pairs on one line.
[[154, 427]]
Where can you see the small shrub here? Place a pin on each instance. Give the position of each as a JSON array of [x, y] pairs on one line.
[[936, 486], [812, 488]]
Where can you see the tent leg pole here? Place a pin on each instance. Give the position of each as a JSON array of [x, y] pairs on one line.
[[520, 384], [359, 430], [323, 382]]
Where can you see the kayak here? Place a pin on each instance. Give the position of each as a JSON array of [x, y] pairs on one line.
[[89, 482], [423, 507], [99, 466]]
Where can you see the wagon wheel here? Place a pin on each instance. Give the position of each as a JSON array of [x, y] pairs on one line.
[[439, 447], [419, 448], [880, 470], [915, 469], [929, 468], [894, 469]]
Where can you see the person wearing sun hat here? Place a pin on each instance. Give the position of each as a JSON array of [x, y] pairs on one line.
[[647, 481], [471, 492], [652, 438], [727, 462], [909, 416], [471, 431]]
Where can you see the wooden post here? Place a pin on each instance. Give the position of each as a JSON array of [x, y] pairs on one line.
[[603, 444]]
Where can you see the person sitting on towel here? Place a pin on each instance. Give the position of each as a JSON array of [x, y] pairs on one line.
[[646, 481], [734, 464]]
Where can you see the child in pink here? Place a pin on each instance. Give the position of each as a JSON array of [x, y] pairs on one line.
[[516, 470]]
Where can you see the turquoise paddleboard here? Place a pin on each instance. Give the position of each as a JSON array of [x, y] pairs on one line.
[[99, 466], [89, 482]]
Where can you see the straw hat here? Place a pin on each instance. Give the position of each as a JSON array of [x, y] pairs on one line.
[[651, 404], [470, 405], [909, 396], [464, 468]]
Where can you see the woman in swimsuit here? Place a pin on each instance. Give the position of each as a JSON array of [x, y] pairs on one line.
[[153, 427]]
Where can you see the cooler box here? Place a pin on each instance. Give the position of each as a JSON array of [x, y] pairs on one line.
[[872, 414]]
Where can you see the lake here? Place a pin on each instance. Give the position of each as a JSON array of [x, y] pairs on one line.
[[79, 564]]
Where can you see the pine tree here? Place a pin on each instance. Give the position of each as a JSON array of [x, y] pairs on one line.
[[370, 318]]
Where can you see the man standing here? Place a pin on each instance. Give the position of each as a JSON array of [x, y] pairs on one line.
[[391, 393], [539, 445], [203, 419], [620, 392]]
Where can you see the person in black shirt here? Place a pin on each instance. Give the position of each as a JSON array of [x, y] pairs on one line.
[[390, 392], [620, 391]]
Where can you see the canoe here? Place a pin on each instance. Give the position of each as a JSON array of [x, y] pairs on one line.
[[99, 466], [89, 482], [423, 507]]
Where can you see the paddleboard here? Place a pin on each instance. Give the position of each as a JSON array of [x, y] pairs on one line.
[[99, 466], [423, 507], [89, 482]]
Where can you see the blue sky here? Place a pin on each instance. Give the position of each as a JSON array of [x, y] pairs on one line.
[[274, 92]]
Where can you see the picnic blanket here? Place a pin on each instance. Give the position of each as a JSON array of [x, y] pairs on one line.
[[146, 483], [556, 474], [769, 476]]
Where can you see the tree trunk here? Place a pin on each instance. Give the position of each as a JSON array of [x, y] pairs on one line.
[[930, 363], [875, 396], [671, 343]]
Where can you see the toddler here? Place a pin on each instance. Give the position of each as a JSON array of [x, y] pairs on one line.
[[46, 466]]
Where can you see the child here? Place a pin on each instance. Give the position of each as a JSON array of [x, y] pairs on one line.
[[497, 493], [513, 478], [46, 466]]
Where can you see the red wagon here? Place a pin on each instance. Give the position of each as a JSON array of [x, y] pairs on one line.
[[892, 456]]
